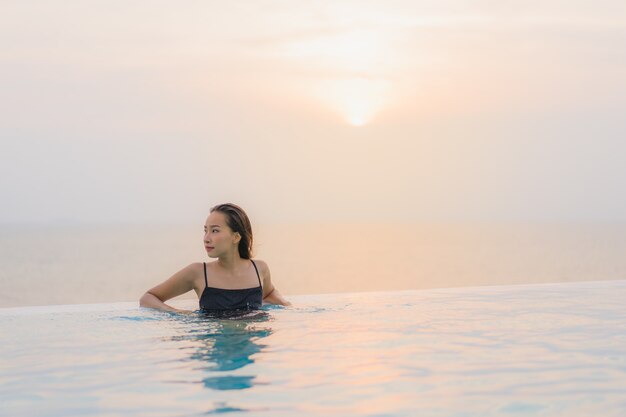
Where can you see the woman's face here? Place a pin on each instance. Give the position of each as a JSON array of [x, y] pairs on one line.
[[219, 239]]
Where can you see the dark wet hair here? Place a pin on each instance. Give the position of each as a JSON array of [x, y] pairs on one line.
[[238, 221]]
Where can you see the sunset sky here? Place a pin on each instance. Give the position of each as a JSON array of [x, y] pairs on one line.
[[152, 111]]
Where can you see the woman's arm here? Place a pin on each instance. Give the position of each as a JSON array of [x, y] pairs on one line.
[[270, 293], [275, 298], [179, 283]]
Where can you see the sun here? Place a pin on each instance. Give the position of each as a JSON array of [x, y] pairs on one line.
[[356, 100], [357, 121], [351, 64]]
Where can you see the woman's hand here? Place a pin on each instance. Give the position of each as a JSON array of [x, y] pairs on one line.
[[179, 311]]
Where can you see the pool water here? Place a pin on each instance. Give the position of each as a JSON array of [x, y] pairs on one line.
[[526, 350]]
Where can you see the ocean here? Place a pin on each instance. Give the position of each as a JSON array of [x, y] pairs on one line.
[[48, 265]]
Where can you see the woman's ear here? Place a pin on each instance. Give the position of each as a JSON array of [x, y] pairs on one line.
[[236, 238]]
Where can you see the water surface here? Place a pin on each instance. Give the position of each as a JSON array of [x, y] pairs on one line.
[[530, 350]]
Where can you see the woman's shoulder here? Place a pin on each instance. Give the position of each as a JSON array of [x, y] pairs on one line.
[[262, 265], [196, 267], [260, 262]]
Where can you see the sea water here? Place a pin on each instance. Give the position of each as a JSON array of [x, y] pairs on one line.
[[520, 350], [45, 265]]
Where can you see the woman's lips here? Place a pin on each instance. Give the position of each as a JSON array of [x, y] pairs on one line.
[[209, 248]]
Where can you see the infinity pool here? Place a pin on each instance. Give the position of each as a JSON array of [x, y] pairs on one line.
[[532, 350]]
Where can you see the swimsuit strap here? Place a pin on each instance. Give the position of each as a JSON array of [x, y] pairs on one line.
[[257, 272], [205, 281]]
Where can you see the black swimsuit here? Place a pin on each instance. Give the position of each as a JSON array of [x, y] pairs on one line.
[[213, 299]]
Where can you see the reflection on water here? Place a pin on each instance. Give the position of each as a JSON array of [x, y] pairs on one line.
[[224, 342], [554, 350]]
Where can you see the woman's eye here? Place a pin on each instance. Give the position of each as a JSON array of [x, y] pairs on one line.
[[215, 230]]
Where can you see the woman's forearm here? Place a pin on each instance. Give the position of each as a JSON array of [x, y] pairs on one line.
[[276, 298], [152, 301]]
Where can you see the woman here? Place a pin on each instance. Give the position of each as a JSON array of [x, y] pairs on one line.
[[233, 282]]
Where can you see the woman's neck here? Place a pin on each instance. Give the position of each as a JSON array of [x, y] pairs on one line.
[[230, 262]]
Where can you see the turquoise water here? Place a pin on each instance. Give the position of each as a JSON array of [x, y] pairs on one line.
[[529, 350]]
